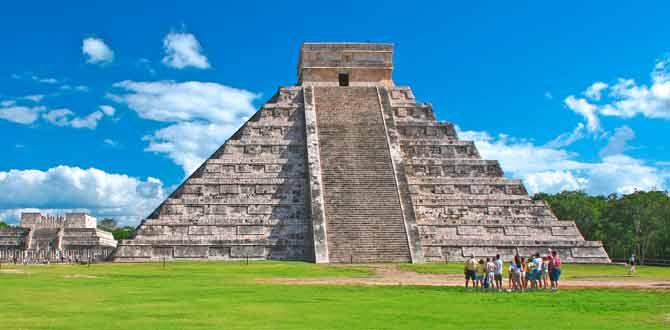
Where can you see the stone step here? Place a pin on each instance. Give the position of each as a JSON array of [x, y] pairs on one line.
[[363, 214]]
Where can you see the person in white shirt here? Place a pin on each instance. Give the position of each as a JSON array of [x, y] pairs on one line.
[[536, 273], [490, 270], [498, 272]]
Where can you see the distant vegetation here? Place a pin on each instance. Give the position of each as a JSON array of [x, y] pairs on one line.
[[3, 224], [111, 225], [635, 223]]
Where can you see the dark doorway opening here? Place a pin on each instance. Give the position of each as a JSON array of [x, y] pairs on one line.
[[344, 79]]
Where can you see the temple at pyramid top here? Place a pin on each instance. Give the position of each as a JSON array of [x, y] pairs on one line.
[[345, 64]]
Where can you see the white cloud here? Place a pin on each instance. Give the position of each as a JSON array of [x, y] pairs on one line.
[[567, 139], [76, 88], [169, 101], [593, 92], [111, 143], [108, 110], [626, 98], [21, 114], [189, 144], [65, 188], [587, 110], [546, 169], [34, 98], [554, 181], [548, 95], [58, 117], [97, 51], [65, 117], [183, 50], [203, 114], [617, 143], [47, 80], [90, 121], [624, 174]]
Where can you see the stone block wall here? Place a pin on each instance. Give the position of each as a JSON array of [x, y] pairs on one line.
[[247, 200], [463, 204]]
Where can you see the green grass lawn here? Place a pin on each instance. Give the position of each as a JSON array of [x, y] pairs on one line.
[[569, 271], [209, 295]]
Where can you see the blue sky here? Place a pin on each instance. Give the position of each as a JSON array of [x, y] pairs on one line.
[[106, 107]]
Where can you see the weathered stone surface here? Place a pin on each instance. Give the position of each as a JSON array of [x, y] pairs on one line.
[[344, 167], [41, 238]]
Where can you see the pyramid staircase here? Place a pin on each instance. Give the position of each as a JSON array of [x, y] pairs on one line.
[[363, 212]]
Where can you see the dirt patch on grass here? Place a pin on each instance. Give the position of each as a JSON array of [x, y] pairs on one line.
[[13, 271], [393, 275], [79, 276]]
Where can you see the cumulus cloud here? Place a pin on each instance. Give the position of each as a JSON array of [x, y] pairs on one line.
[[64, 188], [36, 98], [65, 117], [108, 110], [183, 50], [593, 92], [189, 144], [618, 142], [585, 109], [97, 51], [76, 88], [21, 114], [547, 169], [626, 98], [43, 80], [567, 139], [170, 101], [111, 143], [202, 116]]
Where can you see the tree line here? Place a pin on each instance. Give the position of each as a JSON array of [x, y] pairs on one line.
[[636, 223], [112, 226]]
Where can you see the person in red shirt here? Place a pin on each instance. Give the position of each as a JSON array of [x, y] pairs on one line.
[[555, 274]]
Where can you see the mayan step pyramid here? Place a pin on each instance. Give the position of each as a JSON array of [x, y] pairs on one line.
[[347, 167]]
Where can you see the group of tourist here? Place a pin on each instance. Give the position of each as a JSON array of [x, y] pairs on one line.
[[534, 272]]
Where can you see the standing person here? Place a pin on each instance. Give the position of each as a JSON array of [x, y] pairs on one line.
[[556, 261], [524, 270], [517, 269], [545, 272], [550, 270], [498, 272], [470, 270], [479, 274], [490, 271], [537, 271], [631, 263], [510, 277]]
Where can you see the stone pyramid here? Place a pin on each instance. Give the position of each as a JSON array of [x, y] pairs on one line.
[[347, 167]]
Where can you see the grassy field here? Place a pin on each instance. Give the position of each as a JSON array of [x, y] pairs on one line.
[[212, 295], [569, 271]]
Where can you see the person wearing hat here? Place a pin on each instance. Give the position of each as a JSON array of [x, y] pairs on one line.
[[470, 270]]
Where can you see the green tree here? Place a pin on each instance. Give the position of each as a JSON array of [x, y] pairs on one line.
[[634, 223], [124, 233], [107, 224], [3, 224]]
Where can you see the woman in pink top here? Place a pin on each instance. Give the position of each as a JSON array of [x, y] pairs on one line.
[[555, 268]]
